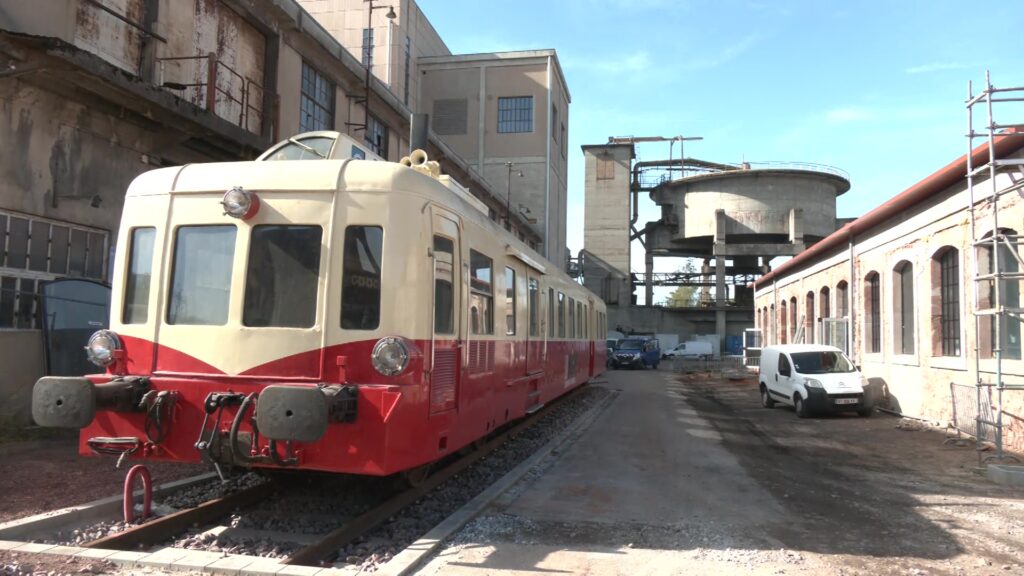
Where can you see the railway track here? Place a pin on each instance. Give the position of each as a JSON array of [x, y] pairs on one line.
[[314, 549]]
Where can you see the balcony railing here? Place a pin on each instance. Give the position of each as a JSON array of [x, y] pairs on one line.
[[214, 86]]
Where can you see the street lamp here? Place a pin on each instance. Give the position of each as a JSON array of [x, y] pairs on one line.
[[368, 55], [508, 194]]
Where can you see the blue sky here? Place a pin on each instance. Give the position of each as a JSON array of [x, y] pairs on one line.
[[874, 88]]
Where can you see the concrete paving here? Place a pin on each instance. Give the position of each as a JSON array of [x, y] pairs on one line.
[[648, 459], [695, 477]]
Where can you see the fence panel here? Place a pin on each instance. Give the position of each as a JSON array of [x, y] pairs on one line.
[[966, 410]]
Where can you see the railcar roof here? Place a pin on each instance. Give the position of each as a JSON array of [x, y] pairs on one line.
[[283, 175]]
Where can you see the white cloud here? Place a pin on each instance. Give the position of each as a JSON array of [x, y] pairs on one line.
[[937, 66]]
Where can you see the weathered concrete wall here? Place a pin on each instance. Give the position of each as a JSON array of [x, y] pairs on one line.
[[685, 323], [22, 362], [606, 203], [918, 383], [755, 202]]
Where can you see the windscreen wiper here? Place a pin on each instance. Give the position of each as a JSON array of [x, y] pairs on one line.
[[307, 148]]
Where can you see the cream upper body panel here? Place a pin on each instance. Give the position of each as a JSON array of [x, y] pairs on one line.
[[330, 194]]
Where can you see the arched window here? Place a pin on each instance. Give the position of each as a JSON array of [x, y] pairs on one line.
[[792, 319], [770, 334], [783, 330], [903, 308], [842, 300], [946, 302], [809, 318], [1009, 297], [872, 312], [824, 311]]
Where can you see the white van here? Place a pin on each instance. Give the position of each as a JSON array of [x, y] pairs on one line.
[[692, 349], [814, 378]]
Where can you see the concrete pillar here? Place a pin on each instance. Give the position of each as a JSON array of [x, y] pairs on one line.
[[720, 294], [796, 226], [649, 278]]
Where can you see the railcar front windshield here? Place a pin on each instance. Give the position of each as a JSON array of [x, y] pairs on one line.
[[822, 362], [201, 278], [282, 276]]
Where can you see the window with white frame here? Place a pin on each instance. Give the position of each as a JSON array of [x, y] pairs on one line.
[[34, 250]]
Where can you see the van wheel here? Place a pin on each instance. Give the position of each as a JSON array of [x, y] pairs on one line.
[[865, 412], [800, 407], [656, 365], [766, 397]]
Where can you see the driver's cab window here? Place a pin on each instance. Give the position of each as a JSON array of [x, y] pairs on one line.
[[783, 365]]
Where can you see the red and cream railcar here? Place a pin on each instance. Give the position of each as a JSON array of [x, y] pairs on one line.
[[340, 314]]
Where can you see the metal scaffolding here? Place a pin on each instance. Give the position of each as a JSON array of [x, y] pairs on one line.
[[998, 268]]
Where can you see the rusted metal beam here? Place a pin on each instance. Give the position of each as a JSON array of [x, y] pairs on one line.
[[126, 20]]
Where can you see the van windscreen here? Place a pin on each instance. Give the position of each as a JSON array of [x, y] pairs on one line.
[[821, 362]]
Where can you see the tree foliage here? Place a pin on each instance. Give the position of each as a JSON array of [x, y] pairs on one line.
[[684, 296]]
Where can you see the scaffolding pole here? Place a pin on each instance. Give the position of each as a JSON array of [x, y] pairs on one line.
[[995, 243]]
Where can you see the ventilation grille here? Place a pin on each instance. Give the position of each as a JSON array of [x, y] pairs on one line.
[[449, 116], [442, 381]]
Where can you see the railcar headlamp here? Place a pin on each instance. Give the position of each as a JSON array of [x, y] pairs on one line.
[[240, 203], [390, 356], [101, 347]]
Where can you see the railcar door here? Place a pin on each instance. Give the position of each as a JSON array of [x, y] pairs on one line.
[[534, 338], [447, 331]]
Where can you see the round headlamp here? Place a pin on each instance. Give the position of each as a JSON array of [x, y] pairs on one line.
[[390, 356], [240, 203], [101, 347]]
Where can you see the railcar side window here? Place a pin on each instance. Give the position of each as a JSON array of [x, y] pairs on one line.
[[579, 319], [140, 266], [201, 278], [534, 301], [572, 318], [551, 312], [561, 315], [481, 297], [360, 284], [282, 277], [510, 301], [444, 279]]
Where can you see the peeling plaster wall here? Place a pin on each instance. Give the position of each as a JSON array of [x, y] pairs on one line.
[[109, 38], [918, 384], [54, 144]]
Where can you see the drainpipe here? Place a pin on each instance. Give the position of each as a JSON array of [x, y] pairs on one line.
[[851, 311], [547, 180]]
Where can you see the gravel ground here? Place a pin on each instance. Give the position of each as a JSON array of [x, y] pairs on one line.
[[309, 505], [48, 466], [380, 545], [841, 495], [20, 564]]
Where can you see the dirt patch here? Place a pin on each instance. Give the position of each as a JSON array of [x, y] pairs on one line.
[[45, 472], [22, 564]]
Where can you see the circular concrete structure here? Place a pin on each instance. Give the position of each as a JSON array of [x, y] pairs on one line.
[[758, 203]]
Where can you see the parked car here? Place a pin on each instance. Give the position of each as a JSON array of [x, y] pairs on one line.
[[692, 349], [635, 353], [813, 379]]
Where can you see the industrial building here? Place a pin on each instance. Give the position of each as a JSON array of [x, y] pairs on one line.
[[734, 218], [924, 290], [95, 92]]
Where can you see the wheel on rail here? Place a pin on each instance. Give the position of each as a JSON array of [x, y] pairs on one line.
[[416, 476], [766, 398]]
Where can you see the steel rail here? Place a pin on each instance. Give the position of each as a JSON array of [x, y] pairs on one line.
[[166, 527], [331, 543]]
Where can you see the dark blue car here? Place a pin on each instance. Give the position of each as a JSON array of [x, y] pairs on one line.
[[635, 353]]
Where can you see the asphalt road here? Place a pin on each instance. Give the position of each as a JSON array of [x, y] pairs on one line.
[[688, 474]]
